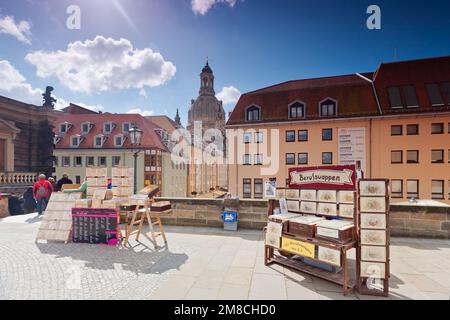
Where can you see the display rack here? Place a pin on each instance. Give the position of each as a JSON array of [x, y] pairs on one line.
[[96, 178], [123, 182], [373, 254]]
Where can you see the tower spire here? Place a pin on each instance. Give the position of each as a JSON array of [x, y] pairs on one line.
[[177, 118]]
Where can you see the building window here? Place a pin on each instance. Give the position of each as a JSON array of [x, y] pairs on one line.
[[126, 127], [116, 161], [253, 113], [258, 159], [437, 189], [297, 110], [302, 135], [247, 137], [259, 137], [77, 161], [63, 128], [90, 162], [302, 158], [290, 136], [101, 161], [327, 158], [287, 183], [437, 128], [247, 190], [247, 159], [395, 97], [78, 179], [85, 127], [98, 142], [437, 156], [119, 140], [409, 93], [75, 141], [412, 188], [107, 127], [448, 156], [327, 134], [434, 95], [412, 156], [448, 188], [412, 129], [55, 161], [328, 108], [290, 158], [396, 130], [65, 161], [258, 183], [397, 188], [397, 156]]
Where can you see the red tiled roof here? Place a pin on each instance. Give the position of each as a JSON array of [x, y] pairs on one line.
[[164, 122], [150, 139], [353, 93], [414, 72], [76, 109]]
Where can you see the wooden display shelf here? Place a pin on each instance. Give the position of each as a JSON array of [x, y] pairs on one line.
[[339, 278], [323, 243]]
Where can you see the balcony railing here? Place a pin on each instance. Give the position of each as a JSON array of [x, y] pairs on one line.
[[18, 178]]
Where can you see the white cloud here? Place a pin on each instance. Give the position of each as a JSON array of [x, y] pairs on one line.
[[144, 113], [229, 95], [14, 85], [202, 6], [21, 30], [103, 64]]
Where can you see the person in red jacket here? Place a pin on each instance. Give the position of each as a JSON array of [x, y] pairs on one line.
[[41, 192]]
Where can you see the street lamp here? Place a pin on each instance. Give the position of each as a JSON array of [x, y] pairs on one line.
[[135, 137]]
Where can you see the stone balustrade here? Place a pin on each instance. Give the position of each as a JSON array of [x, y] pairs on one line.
[[18, 178]]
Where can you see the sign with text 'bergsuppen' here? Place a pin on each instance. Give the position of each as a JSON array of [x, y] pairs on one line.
[[324, 177]]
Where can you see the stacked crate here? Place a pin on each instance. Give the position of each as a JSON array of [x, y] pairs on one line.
[[96, 178], [123, 182]]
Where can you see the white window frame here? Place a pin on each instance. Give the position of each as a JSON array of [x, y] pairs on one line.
[[71, 141], [111, 126], [253, 106], [123, 140], [89, 127], [95, 141], [123, 127], [67, 126]]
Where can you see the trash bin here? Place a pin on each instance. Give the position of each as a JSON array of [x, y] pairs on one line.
[[230, 220]]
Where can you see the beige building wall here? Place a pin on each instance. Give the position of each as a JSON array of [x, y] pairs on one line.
[[378, 146], [174, 178], [127, 160]]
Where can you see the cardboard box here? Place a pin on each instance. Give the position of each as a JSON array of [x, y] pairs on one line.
[[83, 203], [103, 194], [96, 203]]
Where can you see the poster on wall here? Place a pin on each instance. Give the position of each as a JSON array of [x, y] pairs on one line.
[[270, 189], [352, 146]]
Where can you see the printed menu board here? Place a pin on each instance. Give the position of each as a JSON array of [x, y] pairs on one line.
[[95, 226], [352, 146]]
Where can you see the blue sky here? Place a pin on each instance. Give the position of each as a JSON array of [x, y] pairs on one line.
[[250, 44]]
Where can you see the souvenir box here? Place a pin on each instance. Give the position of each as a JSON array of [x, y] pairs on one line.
[[346, 197], [327, 209], [330, 256], [372, 188], [373, 204], [373, 221], [304, 226], [347, 211], [308, 207], [292, 194], [336, 230], [373, 237], [327, 196], [293, 205], [373, 270], [280, 194], [308, 195], [282, 219], [373, 253]]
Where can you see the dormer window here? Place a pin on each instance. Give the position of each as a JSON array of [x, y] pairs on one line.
[[296, 110], [126, 126], [56, 139], [108, 127], [75, 141], [119, 140], [99, 140], [64, 127], [328, 108], [86, 127], [253, 113]]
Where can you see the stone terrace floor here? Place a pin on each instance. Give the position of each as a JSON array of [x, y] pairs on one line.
[[199, 263]]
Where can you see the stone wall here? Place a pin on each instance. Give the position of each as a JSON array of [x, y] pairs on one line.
[[420, 221], [207, 212]]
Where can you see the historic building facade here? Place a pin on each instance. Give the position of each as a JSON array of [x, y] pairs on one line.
[[206, 112], [394, 121], [26, 141]]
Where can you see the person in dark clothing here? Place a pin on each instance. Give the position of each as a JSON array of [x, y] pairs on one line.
[[64, 180], [29, 203]]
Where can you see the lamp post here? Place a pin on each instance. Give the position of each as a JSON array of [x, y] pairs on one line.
[[135, 137]]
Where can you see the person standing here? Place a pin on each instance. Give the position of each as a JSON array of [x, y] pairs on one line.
[[64, 180], [53, 183], [41, 192]]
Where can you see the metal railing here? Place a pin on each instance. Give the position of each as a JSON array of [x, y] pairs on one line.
[[18, 178]]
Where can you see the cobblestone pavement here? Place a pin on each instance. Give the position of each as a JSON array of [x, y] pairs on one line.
[[199, 263]]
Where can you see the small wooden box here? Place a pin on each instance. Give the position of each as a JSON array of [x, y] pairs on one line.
[[283, 219], [336, 230], [161, 206], [304, 226]]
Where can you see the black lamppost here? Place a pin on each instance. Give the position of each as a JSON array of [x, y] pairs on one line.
[[135, 137]]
